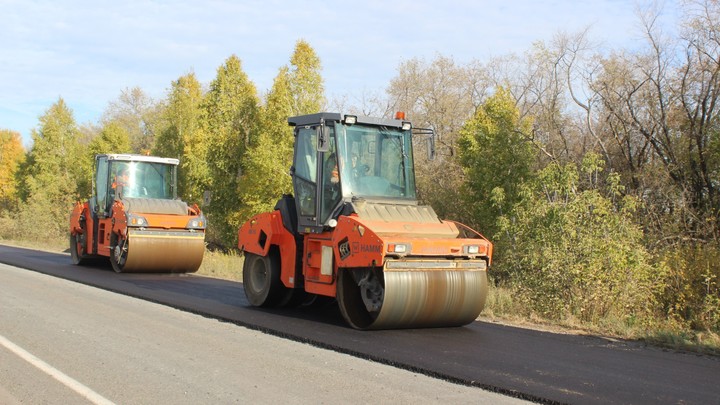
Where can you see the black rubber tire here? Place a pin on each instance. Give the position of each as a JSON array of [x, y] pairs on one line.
[[117, 266], [261, 280], [78, 258], [350, 302], [318, 301], [292, 297]]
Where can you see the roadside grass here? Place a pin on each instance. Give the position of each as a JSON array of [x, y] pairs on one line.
[[501, 307], [50, 245], [707, 342], [227, 266]]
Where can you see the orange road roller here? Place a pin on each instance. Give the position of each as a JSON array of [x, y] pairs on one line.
[[353, 230], [135, 218]]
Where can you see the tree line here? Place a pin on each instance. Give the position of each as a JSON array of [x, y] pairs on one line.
[[235, 150], [595, 173]]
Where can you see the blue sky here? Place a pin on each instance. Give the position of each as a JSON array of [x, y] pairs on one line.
[[87, 52]]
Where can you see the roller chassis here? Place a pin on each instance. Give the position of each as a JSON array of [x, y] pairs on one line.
[[274, 275]]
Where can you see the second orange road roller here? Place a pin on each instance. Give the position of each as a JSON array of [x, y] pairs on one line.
[[353, 230], [135, 218]]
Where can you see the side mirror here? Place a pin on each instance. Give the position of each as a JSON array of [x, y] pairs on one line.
[[430, 133], [323, 143], [431, 147]]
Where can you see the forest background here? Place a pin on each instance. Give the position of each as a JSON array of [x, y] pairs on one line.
[[595, 174]]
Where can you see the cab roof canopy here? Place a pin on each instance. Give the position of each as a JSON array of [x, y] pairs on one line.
[[141, 158], [311, 119]]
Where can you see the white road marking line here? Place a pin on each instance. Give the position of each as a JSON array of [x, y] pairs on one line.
[[69, 382]]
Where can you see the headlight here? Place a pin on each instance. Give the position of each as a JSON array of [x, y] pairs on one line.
[[471, 249], [197, 223], [398, 248], [136, 220]]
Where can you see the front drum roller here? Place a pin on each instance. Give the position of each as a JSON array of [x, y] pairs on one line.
[[406, 294], [146, 251]]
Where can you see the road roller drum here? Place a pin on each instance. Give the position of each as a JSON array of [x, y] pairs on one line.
[[408, 297], [159, 252]]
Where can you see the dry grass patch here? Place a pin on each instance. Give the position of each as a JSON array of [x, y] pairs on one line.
[[502, 308], [227, 266], [706, 342], [46, 245]]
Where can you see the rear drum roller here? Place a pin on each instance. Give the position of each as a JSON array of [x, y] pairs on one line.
[[77, 249], [261, 280]]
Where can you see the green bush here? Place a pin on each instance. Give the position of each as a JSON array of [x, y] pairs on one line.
[[7, 226], [576, 254], [691, 296]]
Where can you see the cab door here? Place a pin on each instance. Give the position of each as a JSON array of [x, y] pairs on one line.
[[99, 207], [304, 176], [316, 192]]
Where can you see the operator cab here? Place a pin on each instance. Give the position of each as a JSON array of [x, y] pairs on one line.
[[341, 160], [132, 176]]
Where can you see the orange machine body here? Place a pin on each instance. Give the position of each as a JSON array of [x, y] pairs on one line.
[[81, 221], [354, 243]]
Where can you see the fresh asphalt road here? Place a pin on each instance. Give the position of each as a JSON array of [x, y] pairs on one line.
[[64, 342], [523, 363]]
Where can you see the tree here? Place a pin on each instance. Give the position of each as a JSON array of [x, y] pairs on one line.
[[440, 95], [12, 154], [497, 159], [113, 138], [296, 90], [138, 114], [305, 80], [230, 121], [657, 113], [572, 250], [268, 161], [545, 80], [182, 136], [50, 175], [699, 97]]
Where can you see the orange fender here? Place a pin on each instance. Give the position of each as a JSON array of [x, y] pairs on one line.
[[119, 219], [261, 233], [79, 209]]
